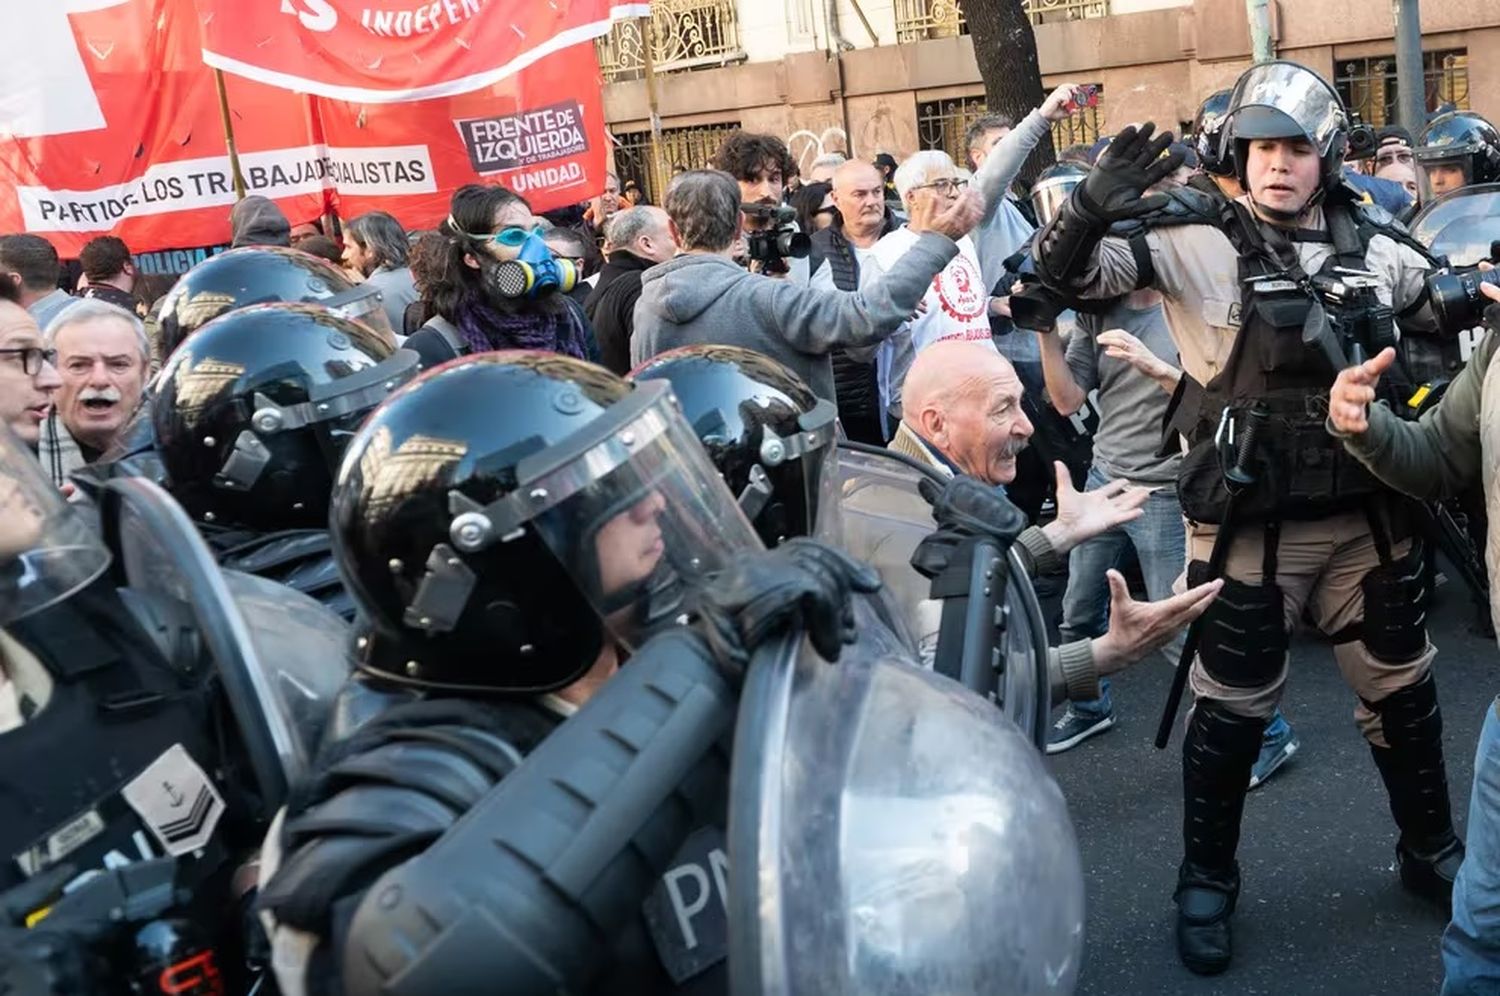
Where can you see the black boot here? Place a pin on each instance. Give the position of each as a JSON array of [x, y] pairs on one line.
[[1428, 852], [1217, 755]]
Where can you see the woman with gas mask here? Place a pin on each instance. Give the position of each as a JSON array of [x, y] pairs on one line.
[[498, 286]]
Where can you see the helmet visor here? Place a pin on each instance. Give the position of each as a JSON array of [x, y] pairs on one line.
[[1442, 171], [47, 549], [1299, 96], [634, 511], [365, 305], [1048, 195]]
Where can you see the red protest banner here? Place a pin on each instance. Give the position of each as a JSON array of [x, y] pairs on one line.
[[540, 133], [111, 125], [382, 51]]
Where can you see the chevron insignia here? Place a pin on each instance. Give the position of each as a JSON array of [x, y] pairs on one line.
[[177, 801]]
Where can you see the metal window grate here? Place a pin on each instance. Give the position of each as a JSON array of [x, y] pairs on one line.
[[1368, 86], [685, 34], [941, 124], [917, 20], [690, 148]]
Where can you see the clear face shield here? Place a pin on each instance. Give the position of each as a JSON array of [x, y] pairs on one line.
[[1049, 194], [1296, 92], [48, 550], [363, 304], [633, 510], [1442, 171], [1462, 226]]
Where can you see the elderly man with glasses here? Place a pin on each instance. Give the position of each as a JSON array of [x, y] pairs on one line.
[[957, 304]]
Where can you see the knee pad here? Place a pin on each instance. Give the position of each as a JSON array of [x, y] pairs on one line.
[[1396, 596], [1244, 638]]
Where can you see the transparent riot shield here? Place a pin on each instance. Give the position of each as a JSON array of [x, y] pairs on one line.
[[892, 833], [1461, 225], [280, 656], [885, 517]]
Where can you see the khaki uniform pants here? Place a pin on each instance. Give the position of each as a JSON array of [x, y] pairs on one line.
[[1319, 565]]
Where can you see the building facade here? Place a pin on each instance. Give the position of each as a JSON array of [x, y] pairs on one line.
[[869, 76]]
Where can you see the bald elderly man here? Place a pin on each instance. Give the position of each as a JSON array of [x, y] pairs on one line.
[[962, 414]]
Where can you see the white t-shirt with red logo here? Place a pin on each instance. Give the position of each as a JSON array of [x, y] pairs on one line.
[[957, 304]]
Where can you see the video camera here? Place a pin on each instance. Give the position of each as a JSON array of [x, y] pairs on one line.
[[777, 240]]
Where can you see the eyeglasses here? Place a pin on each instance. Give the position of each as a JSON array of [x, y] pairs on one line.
[[515, 235], [32, 358], [948, 185], [1386, 158]]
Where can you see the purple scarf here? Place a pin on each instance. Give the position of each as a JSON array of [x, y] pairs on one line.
[[485, 328]]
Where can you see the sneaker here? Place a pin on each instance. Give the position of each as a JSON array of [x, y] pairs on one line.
[[1073, 728], [1276, 748]]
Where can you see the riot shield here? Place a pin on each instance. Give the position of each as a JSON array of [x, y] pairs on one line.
[[279, 655], [1461, 225], [884, 519], [892, 833]]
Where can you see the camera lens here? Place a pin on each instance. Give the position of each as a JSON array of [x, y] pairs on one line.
[[794, 245], [1456, 299]]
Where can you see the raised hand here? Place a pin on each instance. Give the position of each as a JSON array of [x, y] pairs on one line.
[[954, 220], [1126, 169], [1138, 628], [1082, 515], [1354, 389]]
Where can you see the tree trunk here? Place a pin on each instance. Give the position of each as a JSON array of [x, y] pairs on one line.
[[1005, 48]]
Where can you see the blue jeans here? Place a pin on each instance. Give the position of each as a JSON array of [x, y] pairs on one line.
[[1160, 542], [1471, 942]]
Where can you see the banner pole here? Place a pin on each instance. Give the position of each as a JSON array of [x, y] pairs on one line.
[[658, 174], [234, 155]]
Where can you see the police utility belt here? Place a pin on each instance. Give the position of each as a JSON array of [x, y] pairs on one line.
[[1258, 428]]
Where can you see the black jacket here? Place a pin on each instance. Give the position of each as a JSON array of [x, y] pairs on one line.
[[855, 381], [611, 307]]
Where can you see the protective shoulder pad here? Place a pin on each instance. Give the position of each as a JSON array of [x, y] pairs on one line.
[[1371, 219], [388, 791]]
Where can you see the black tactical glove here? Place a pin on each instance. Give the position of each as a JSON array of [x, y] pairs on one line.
[[969, 505], [963, 508], [802, 582], [1132, 163]]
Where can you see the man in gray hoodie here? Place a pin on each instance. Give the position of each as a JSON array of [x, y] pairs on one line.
[[703, 297]]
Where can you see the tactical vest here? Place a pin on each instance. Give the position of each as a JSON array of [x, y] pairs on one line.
[[855, 382], [1301, 472], [121, 764]]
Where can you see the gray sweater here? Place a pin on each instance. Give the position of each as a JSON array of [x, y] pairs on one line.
[[698, 299]]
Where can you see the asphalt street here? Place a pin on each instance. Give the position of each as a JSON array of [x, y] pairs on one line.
[[1321, 910]]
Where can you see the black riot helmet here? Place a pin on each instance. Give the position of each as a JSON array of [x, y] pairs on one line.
[[1459, 140], [259, 274], [504, 518], [1208, 130], [253, 411], [1286, 100], [771, 438]]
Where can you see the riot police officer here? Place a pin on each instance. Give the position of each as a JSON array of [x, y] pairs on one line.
[[256, 275], [513, 527], [119, 747], [1455, 150], [251, 416], [1271, 499]]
